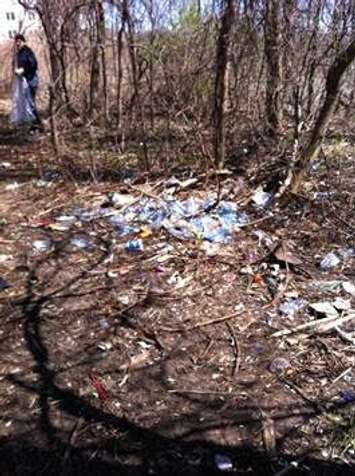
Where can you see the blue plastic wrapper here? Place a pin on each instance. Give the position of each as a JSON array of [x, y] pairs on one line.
[[329, 261], [347, 396], [291, 307], [186, 219], [134, 246]]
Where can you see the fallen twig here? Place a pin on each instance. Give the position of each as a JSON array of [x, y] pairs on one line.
[[236, 347], [328, 322], [202, 324], [200, 392], [339, 377], [344, 335]]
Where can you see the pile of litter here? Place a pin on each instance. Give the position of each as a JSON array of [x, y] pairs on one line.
[[135, 217]]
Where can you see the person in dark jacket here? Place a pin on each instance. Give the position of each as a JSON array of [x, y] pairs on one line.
[[27, 66]]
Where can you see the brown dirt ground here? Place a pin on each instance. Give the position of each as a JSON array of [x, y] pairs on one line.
[[108, 366]]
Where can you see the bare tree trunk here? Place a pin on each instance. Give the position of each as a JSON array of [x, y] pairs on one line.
[[228, 14], [119, 74], [101, 40], [53, 122], [133, 60], [95, 62], [334, 76], [273, 63]]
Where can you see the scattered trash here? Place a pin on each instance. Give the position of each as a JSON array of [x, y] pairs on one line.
[[291, 307], [104, 324], [185, 219], [262, 199], [347, 396], [4, 258], [258, 279], [134, 246], [322, 195], [349, 288], [275, 269], [66, 218], [145, 345], [104, 346], [329, 261], [347, 252], [341, 304], [123, 300], [59, 226], [145, 232], [99, 387], [173, 182], [264, 238], [81, 243], [223, 462], [246, 270], [279, 365], [51, 176], [42, 245], [40, 183], [4, 284], [118, 199], [324, 307], [12, 186]]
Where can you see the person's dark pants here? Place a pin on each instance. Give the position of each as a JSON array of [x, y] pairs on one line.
[[37, 123]]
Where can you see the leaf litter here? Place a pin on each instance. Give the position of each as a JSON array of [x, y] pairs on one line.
[[134, 292]]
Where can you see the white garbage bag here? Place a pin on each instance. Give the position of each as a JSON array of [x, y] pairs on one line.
[[22, 102]]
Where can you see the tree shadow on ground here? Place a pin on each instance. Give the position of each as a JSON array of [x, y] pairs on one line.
[[123, 446]]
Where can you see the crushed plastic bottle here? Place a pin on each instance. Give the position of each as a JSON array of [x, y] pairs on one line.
[[66, 218], [329, 261], [134, 246], [122, 228], [230, 217], [290, 307], [81, 243], [348, 252], [279, 365], [42, 245], [186, 208], [262, 199], [209, 229], [223, 462], [104, 324]]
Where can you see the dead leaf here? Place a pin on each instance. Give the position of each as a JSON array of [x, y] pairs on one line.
[[269, 439], [282, 254]]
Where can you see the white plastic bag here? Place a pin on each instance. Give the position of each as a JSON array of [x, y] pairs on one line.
[[22, 102]]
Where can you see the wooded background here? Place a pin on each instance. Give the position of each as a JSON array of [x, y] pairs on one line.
[[202, 78]]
